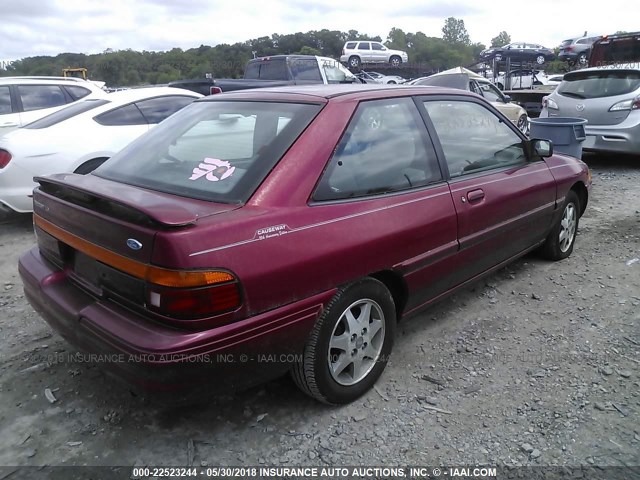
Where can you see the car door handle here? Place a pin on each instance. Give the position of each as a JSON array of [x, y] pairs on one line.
[[475, 195]]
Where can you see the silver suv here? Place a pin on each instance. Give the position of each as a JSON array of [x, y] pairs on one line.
[[26, 99], [609, 99], [576, 50], [355, 53]]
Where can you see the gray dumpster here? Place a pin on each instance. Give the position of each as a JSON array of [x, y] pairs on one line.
[[566, 133]]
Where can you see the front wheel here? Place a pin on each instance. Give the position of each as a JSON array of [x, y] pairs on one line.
[[349, 345], [540, 59], [559, 244]]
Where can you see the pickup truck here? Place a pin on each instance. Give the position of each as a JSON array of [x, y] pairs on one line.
[[275, 71]]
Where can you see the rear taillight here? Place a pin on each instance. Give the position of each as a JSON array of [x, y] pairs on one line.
[[626, 105], [569, 48], [549, 103], [5, 158], [214, 90], [191, 294], [194, 303]]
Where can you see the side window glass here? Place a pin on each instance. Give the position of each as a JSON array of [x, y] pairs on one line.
[[333, 72], [127, 115], [383, 150], [364, 46], [305, 69], [5, 100], [473, 138], [156, 110], [376, 46], [491, 93], [77, 92], [37, 97]]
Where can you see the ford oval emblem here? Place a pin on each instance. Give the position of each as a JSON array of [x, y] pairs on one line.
[[134, 244]]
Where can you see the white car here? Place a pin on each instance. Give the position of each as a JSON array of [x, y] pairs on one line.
[[522, 78], [555, 79], [355, 53], [387, 79], [25, 99], [79, 138], [375, 77]]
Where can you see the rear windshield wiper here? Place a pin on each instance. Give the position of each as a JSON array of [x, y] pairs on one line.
[[571, 94]]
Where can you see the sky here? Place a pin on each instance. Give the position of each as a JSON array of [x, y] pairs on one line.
[[49, 27]]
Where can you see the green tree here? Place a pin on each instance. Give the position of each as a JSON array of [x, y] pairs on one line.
[[503, 38], [454, 32], [397, 39]]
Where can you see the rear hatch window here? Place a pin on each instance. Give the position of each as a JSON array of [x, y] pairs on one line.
[[215, 150], [598, 84]]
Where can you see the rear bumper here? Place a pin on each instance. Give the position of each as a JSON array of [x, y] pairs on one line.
[[564, 56], [622, 138], [154, 357]]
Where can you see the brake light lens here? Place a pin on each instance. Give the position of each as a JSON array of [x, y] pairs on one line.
[[193, 303], [626, 105], [214, 90], [5, 158]]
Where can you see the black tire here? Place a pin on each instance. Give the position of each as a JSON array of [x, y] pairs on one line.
[[557, 246], [582, 59], [391, 82], [90, 165], [315, 376], [395, 61], [354, 61]]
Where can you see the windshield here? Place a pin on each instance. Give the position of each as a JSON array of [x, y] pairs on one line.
[[596, 84], [66, 113], [214, 150]]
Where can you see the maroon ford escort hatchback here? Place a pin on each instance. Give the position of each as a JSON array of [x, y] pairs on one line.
[[279, 230]]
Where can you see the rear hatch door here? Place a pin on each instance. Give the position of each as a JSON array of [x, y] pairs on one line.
[[591, 94], [102, 232]]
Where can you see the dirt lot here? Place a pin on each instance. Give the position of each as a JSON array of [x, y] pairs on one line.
[[536, 365]]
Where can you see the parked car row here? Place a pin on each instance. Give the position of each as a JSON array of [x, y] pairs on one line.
[[298, 224], [79, 137], [25, 99]]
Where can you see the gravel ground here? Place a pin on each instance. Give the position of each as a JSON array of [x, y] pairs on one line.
[[535, 365]]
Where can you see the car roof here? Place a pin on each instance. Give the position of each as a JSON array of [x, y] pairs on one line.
[[620, 66], [45, 80], [322, 93], [134, 94]]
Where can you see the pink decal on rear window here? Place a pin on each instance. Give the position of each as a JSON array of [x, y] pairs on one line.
[[213, 169]]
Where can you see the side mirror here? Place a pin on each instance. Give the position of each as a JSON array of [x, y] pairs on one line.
[[543, 148], [507, 98]]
